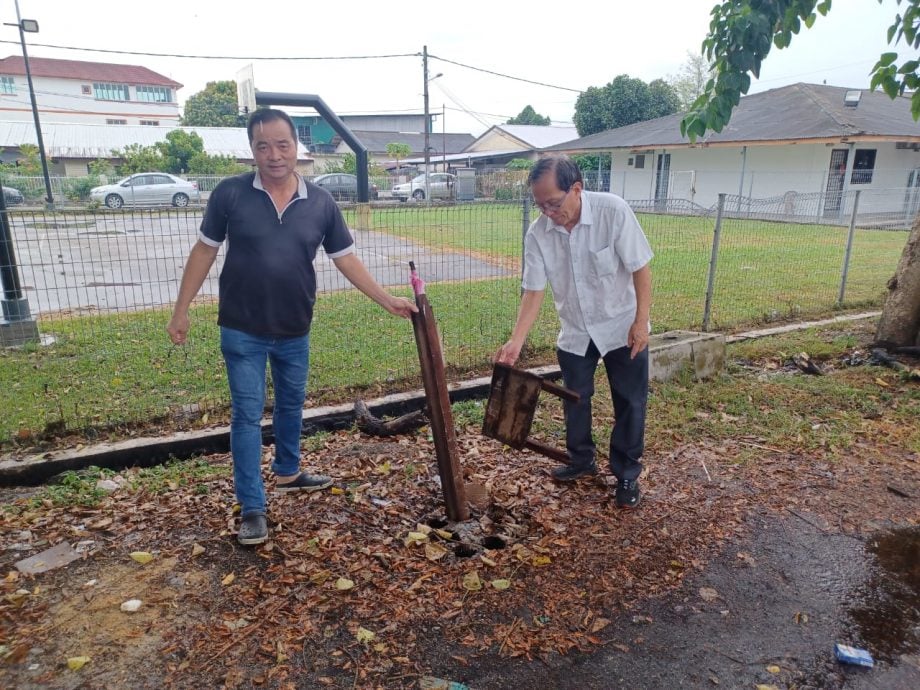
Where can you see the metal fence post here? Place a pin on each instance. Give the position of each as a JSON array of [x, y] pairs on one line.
[[849, 249], [713, 260], [525, 224]]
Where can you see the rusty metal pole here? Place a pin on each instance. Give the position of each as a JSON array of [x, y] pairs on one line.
[[442, 420]]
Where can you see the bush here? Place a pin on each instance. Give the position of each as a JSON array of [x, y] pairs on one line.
[[78, 188]]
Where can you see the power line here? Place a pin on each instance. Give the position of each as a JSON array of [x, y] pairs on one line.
[[219, 57], [505, 76]]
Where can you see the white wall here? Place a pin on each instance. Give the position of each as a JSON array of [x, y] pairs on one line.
[[701, 174], [62, 100]]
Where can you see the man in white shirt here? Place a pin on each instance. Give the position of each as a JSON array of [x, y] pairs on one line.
[[590, 248]]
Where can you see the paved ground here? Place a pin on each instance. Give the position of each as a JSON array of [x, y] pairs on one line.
[[135, 260]]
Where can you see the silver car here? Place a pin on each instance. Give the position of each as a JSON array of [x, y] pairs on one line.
[[147, 189], [440, 186]]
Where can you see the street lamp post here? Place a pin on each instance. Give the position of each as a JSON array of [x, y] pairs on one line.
[[31, 26]]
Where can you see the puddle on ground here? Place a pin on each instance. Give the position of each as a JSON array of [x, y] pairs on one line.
[[886, 612]]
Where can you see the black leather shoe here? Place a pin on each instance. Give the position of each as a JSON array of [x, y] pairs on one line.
[[627, 493], [569, 473]]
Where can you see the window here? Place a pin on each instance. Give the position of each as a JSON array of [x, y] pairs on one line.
[[86, 89], [151, 123], [304, 135], [7, 85], [111, 92], [115, 121], [154, 94], [863, 166], [640, 161]]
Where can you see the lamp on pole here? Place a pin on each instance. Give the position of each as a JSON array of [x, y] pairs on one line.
[[31, 26], [427, 117]]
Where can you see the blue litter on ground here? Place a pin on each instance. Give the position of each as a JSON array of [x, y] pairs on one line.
[[853, 655]]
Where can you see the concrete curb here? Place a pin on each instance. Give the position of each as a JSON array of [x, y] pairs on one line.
[[148, 451]]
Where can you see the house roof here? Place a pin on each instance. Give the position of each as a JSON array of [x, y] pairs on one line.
[[533, 136], [97, 141], [799, 112], [376, 142], [86, 71]]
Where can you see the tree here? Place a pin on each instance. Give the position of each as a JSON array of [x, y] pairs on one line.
[[215, 106], [741, 35], [136, 158], [688, 84], [519, 164], [397, 151], [529, 116], [28, 164], [622, 102], [179, 148]]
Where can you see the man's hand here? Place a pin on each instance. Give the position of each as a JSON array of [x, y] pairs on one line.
[[508, 353], [637, 338], [400, 306], [178, 328]]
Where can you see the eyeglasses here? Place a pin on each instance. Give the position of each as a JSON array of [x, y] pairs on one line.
[[552, 206]]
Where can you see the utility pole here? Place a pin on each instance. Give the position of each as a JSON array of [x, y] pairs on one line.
[[427, 120], [443, 137]]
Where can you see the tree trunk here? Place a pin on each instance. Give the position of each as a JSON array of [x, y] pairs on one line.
[[900, 322]]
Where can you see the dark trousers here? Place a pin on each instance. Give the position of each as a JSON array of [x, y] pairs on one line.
[[628, 380]]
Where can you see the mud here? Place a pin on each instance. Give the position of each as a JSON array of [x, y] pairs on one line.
[[783, 596]]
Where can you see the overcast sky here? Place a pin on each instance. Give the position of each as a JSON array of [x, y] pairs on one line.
[[573, 46]]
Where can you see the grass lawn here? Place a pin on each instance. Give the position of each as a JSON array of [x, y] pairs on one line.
[[119, 369]]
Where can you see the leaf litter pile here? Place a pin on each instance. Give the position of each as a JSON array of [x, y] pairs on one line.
[[367, 585]]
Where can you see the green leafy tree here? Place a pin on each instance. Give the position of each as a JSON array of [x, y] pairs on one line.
[[136, 158], [529, 116], [27, 164], [397, 151], [741, 35], [203, 164], [214, 106], [519, 164], [622, 102], [179, 148], [689, 82]]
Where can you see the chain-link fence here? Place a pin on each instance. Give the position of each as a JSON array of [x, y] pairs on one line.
[[100, 284]]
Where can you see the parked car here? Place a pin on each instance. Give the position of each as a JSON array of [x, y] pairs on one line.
[[12, 196], [440, 186], [344, 187], [147, 189]]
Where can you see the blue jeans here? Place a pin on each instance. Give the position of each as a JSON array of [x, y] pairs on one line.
[[246, 356], [628, 380]]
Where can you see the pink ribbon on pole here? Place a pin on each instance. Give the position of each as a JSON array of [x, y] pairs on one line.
[[418, 285]]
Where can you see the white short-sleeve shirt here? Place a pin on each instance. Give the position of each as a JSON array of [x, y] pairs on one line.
[[590, 271]]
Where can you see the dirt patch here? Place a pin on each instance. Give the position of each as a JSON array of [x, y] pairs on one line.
[[367, 585]]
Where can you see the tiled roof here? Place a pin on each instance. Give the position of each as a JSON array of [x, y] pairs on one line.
[[86, 71]]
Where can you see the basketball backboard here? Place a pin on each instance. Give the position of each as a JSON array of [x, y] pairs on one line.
[[246, 90]]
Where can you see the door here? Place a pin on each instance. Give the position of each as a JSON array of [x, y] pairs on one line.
[[912, 194], [662, 178], [162, 189], [836, 175]]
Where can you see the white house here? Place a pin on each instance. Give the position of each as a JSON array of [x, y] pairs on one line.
[[75, 91], [798, 139]]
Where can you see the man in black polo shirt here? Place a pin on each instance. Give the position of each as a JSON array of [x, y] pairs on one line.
[[273, 222]]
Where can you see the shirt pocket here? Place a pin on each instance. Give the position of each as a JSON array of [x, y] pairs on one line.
[[603, 262]]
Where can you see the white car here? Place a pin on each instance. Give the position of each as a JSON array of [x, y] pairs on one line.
[[440, 186], [147, 189]]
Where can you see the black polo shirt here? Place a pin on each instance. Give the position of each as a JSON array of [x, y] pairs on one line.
[[268, 283]]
